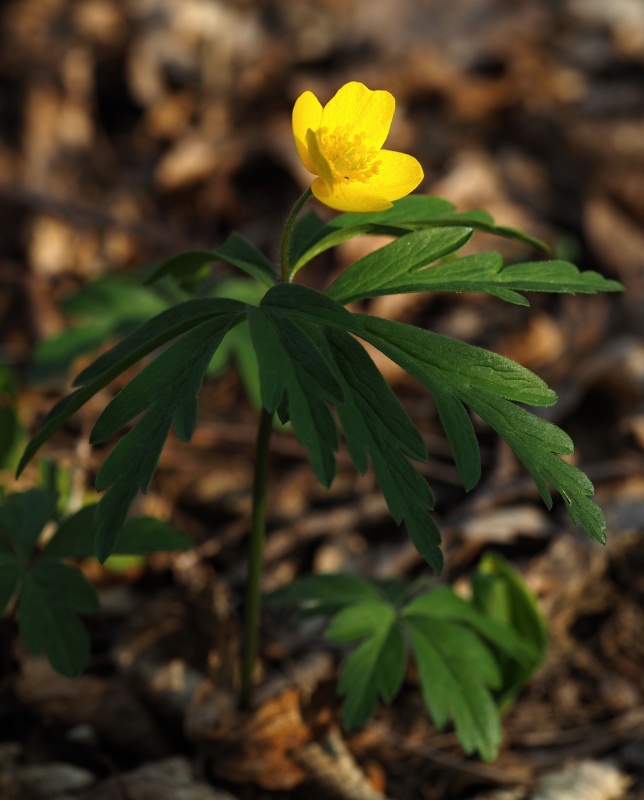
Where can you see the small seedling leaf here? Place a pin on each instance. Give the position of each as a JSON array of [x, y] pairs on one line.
[[457, 673], [375, 669]]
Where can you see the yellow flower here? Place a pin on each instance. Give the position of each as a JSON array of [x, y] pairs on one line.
[[341, 143]]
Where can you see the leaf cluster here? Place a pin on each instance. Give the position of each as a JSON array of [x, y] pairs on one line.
[[311, 368], [46, 591], [469, 658]]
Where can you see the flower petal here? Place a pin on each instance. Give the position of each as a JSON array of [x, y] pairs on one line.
[[345, 198], [368, 111], [307, 113], [399, 174]]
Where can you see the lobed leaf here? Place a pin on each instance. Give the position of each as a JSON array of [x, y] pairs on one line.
[[64, 585], [152, 334], [486, 383], [366, 277], [375, 669], [167, 391], [484, 272], [444, 603], [500, 594], [301, 302], [375, 425], [23, 516], [76, 537], [409, 213], [52, 628], [294, 372], [457, 673], [236, 251]]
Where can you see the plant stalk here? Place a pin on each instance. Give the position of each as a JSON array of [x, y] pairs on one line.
[[253, 602], [288, 230], [252, 607]]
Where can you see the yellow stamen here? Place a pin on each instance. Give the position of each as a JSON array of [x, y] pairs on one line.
[[347, 155]]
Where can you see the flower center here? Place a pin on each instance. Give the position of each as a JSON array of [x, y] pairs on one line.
[[347, 154]]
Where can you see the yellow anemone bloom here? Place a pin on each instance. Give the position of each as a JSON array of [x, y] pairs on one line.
[[341, 144]]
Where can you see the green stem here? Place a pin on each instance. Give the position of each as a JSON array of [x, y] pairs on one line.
[[252, 608], [288, 229], [255, 561]]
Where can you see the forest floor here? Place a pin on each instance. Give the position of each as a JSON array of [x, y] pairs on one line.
[[133, 129]]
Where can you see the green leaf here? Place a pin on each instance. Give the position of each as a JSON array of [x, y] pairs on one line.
[[499, 592], [271, 364], [376, 668], [312, 237], [484, 272], [300, 302], [409, 213], [323, 594], [182, 266], [64, 585], [144, 340], [486, 383], [482, 221], [457, 673], [167, 391], [291, 365], [23, 516], [142, 535], [411, 210], [51, 628], [237, 347], [236, 251], [461, 436], [239, 252], [537, 444], [452, 365], [171, 381], [443, 603], [367, 276], [75, 536], [376, 425], [10, 575]]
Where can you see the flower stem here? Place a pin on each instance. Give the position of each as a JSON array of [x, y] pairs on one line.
[[288, 229], [252, 607], [255, 561]]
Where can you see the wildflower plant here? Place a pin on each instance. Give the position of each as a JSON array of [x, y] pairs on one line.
[[315, 374]]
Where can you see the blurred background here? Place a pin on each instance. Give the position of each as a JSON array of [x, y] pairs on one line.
[[133, 129]]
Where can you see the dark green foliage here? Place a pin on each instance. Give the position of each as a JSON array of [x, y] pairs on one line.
[[500, 594], [462, 653], [236, 251], [301, 356], [298, 349], [48, 593], [487, 383], [167, 390]]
